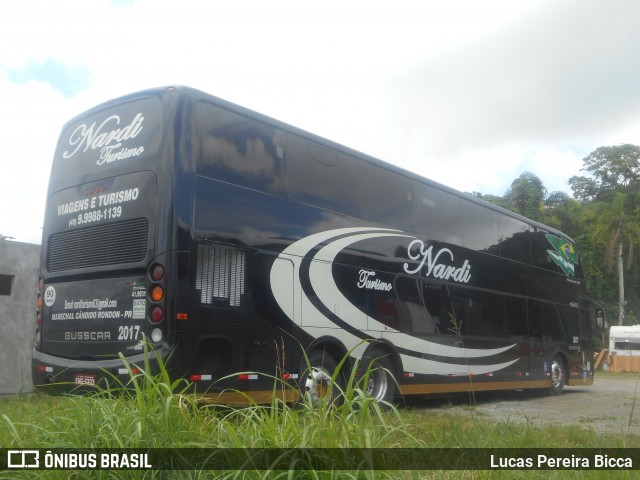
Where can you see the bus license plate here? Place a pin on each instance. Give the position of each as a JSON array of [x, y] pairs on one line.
[[85, 379]]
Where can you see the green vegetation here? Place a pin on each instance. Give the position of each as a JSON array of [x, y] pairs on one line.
[[603, 217], [155, 414]]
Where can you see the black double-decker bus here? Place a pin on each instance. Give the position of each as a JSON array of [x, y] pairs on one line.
[[242, 249]]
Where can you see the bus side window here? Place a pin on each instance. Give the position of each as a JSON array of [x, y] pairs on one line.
[[515, 241], [239, 150], [534, 316], [480, 230], [376, 307], [383, 198], [437, 214], [486, 314], [321, 177], [544, 322], [414, 317], [551, 325], [571, 322], [436, 300], [516, 316], [384, 310], [586, 329], [539, 251], [457, 323]]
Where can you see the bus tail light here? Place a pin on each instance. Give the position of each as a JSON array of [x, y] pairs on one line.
[[157, 293], [39, 293], [157, 273], [39, 312], [157, 314], [156, 335]]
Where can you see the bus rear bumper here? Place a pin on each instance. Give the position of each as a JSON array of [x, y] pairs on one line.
[[579, 381], [55, 375]]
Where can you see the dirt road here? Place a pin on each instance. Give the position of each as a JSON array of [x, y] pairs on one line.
[[606, 406]]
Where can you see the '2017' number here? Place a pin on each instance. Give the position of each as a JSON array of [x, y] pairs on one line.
[[128, 332]]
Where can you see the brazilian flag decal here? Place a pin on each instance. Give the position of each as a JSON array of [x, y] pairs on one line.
[[564, 253]]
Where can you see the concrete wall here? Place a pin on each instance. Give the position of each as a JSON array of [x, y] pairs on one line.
[[17, 314]]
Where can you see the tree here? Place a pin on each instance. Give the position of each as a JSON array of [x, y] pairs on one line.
[[526, 195], [619, 231], [609, 195], [613, 169], [495, 199], [556, 199], [564, 213]]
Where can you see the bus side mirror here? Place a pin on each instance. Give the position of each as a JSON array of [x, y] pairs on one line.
[[600, 319]]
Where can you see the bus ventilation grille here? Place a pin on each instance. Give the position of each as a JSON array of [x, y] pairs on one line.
[[220, 275], [112, 244]]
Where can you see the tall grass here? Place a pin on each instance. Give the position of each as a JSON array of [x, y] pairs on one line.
[[150, 411]]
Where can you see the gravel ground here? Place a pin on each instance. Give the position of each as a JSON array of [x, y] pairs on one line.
[[606, 406]]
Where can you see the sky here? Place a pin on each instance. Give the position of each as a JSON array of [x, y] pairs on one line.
[[468, 93]]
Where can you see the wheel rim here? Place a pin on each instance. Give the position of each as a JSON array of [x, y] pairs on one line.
[[317, 384], [557, 374], [378, 384]]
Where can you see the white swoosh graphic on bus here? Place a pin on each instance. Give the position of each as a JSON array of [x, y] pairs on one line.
[[315, 323], [329, 293]]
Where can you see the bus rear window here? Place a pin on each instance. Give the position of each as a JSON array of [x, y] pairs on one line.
[[113, 139]]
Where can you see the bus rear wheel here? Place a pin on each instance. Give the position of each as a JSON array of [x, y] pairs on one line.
[[316, 376], [378, 374], [558, 376]]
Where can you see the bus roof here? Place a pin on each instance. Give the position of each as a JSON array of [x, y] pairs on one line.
[[196, 94]]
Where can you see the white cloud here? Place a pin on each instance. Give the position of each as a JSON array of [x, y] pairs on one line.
[[29, 135], [468, 93]]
